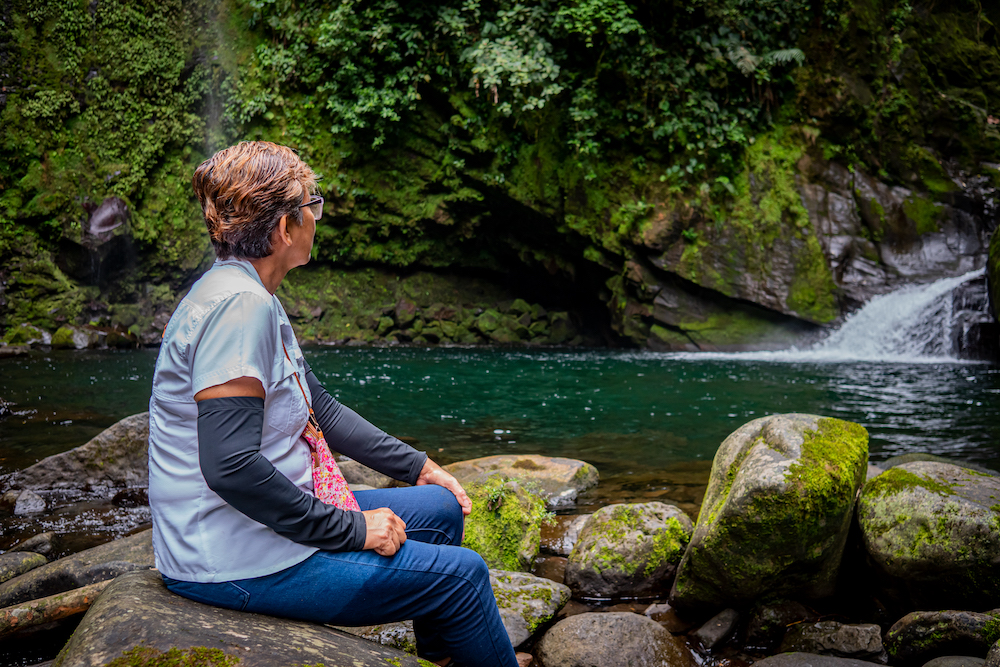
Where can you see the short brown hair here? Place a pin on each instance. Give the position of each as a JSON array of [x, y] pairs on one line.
[[244, 190]]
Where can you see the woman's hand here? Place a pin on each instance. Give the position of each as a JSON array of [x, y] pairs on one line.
[[432, 473], [386, 531]]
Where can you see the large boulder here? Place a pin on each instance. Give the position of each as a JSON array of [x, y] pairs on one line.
[[87, 567], [922, 635], [117, 457], [556, 479], [792, 478], [138, 620], [628, 550], [932, 530], [505, 524], [611, 639]]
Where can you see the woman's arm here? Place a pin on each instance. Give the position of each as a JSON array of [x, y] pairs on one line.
[[230, 423], [349, 433]]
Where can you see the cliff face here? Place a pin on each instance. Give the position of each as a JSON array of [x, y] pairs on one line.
[[732, 177]]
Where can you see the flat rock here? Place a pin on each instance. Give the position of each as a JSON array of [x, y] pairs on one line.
[[932, 531], [358, 473], [611, 639], [792, 478], [100, 563], [557, 480], [560, 535], [811, 660], [116, 457], [136, 614], [923, 635], [17, 563], [628, 550], [861, 641]]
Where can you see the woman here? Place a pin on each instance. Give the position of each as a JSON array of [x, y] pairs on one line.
[[236, 522]]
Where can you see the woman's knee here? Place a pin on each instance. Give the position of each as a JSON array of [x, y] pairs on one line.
[[449, 513]]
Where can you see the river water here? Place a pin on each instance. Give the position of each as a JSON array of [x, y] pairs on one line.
[[628, 413]]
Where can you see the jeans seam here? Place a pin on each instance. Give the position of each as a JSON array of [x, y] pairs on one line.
[[246, 594]]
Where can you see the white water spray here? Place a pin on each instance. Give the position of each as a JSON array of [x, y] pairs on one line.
[[910, 325]]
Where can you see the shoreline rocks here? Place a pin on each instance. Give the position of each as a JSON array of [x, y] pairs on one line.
[[558, 480]]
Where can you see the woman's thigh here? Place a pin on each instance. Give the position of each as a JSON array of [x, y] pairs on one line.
[[432, 514]]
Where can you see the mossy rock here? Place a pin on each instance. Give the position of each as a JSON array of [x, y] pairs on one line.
[[505, 525], [792, 478], [993, 273], [923, 635], [26, 334], [556, 479], [628, 550], [932, 530]]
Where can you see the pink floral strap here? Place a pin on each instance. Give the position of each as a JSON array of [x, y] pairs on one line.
[[329, 484]]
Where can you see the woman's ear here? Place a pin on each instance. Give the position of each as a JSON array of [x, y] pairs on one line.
[[282, 230]]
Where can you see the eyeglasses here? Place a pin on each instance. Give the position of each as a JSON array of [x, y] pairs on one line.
[[315, 205]]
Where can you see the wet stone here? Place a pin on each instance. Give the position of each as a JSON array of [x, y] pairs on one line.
[[955, 661], [718, 628], [862, 641], [15, 564], [39, 544], [666, 616]]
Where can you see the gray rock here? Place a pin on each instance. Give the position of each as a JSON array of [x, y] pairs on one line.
[[27, 502], [862, 641], [558, 480], [15, 564], [923, 635], [101, 563], [357, 473], [39, 544], [718, 628], [811, 660], [560, 534], [609, 640], [117, 457], [955, 661], [398, 635], [933, 532], [768, 622], [792, 478], [873, 471], [913, 457], [137, 615], [993, 657], [526, 602], [628, 550]]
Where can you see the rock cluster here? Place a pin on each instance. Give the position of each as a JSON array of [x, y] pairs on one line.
[[772, 554], [514, 321]]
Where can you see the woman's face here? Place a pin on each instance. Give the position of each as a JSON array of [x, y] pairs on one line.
[[302, 235]]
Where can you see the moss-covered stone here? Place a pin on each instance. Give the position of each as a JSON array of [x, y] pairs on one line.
[[932, 530], [198, 656], [505, 524], [628, 551], [793, 478]]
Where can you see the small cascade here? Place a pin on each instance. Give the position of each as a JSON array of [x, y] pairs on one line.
[[913, 323]]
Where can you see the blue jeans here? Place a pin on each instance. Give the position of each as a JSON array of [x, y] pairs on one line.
[[443, 587]]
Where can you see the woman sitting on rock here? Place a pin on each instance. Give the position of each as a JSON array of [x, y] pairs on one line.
[[250, 511]]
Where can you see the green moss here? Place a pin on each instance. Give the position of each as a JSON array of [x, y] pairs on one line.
[[897, 480], [990, 632], [811, 293], [197, 656], [395, 662], [924, 214], [620, 523], [505, 524]]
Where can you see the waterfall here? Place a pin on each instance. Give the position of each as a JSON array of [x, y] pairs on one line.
[[911, 325]]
